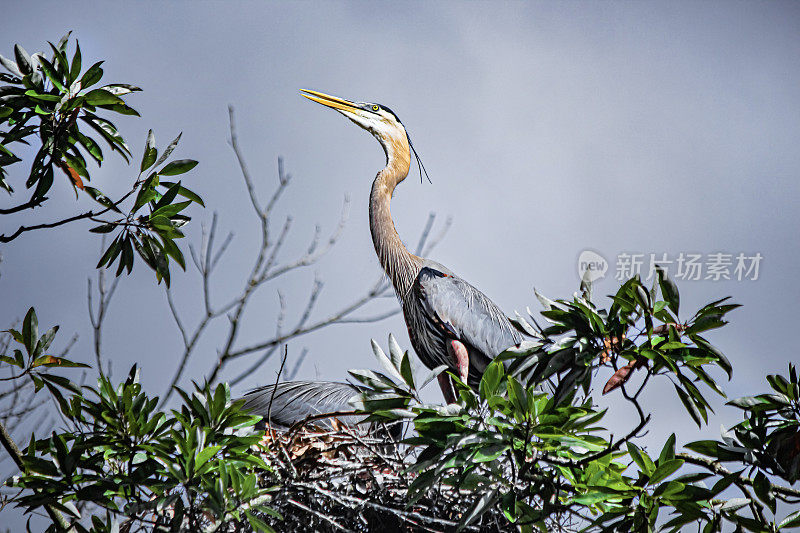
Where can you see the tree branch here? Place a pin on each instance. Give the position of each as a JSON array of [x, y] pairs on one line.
[[10, 446], [30, 204]]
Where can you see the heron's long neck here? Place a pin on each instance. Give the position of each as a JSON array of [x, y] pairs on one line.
[[400, 265]]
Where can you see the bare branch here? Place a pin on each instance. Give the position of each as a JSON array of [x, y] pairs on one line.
[[30, 204], [96, 317]]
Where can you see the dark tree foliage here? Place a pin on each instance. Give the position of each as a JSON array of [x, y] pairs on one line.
[[55, 103]]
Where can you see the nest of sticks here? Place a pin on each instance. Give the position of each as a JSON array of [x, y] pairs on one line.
[[338, 477]]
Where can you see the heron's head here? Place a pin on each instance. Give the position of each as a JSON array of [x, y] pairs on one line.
[[377, 119]]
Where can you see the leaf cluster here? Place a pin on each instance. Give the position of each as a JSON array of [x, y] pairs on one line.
[[531, 446], [137, 467], [54, 98], [52, 101], [35, 360], [152, 233]]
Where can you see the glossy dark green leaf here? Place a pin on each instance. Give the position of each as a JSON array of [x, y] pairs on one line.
[[101, 97], [111, 253], [11, 66], [704, 447], [122, 109], [168, 196], [481, 505], [44, 97], [51, 74], [145, 195], [176, 167], [668, 450], [186, 193], [257, 524], [30, 330], [792, 520], [173, 251], [92, 76], [664, 470], [762, 488], [150, 152], [75, 68], [23, 60], [100, 198], [91, 146], [691, 408], [103, 228]]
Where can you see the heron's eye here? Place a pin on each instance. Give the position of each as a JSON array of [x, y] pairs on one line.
[[375, 107]]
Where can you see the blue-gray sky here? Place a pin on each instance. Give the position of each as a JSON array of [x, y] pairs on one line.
[[547, 129]]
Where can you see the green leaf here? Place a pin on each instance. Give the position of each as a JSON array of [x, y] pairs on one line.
[[100, 198], [646, 467], [170, 210], [490, 381], [104, 228], [762, 486], [173, 251], [793, 520], [405, 370], [489, 453], [10, 66], [168, 197], [179, 166], [23, 60], [690, 406], [111, 253], [99, 97], [482, 504], [75, 69], [122, 109], [45, 97], [664, 470], [186, 193], [150, 152], [51, 74], [725, 482], [257, 524], [30, 330], [385, 362], [704, 447], [61, 381], [92, 76], [91, 146], [145, 195], [668, 451], [45, 340], [205, 454]]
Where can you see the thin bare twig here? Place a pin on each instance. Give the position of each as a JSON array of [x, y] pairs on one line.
[[105, 294]]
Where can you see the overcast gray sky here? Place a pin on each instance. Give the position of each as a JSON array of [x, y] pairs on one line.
[[547, 129]]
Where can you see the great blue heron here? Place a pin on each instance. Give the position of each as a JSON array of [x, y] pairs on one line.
[[449, 321], [290, 402]]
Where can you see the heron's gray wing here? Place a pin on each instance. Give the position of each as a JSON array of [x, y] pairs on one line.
[[294, 401], [468, 314]]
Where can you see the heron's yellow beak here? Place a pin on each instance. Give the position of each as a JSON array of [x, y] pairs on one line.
[[330, 101]]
